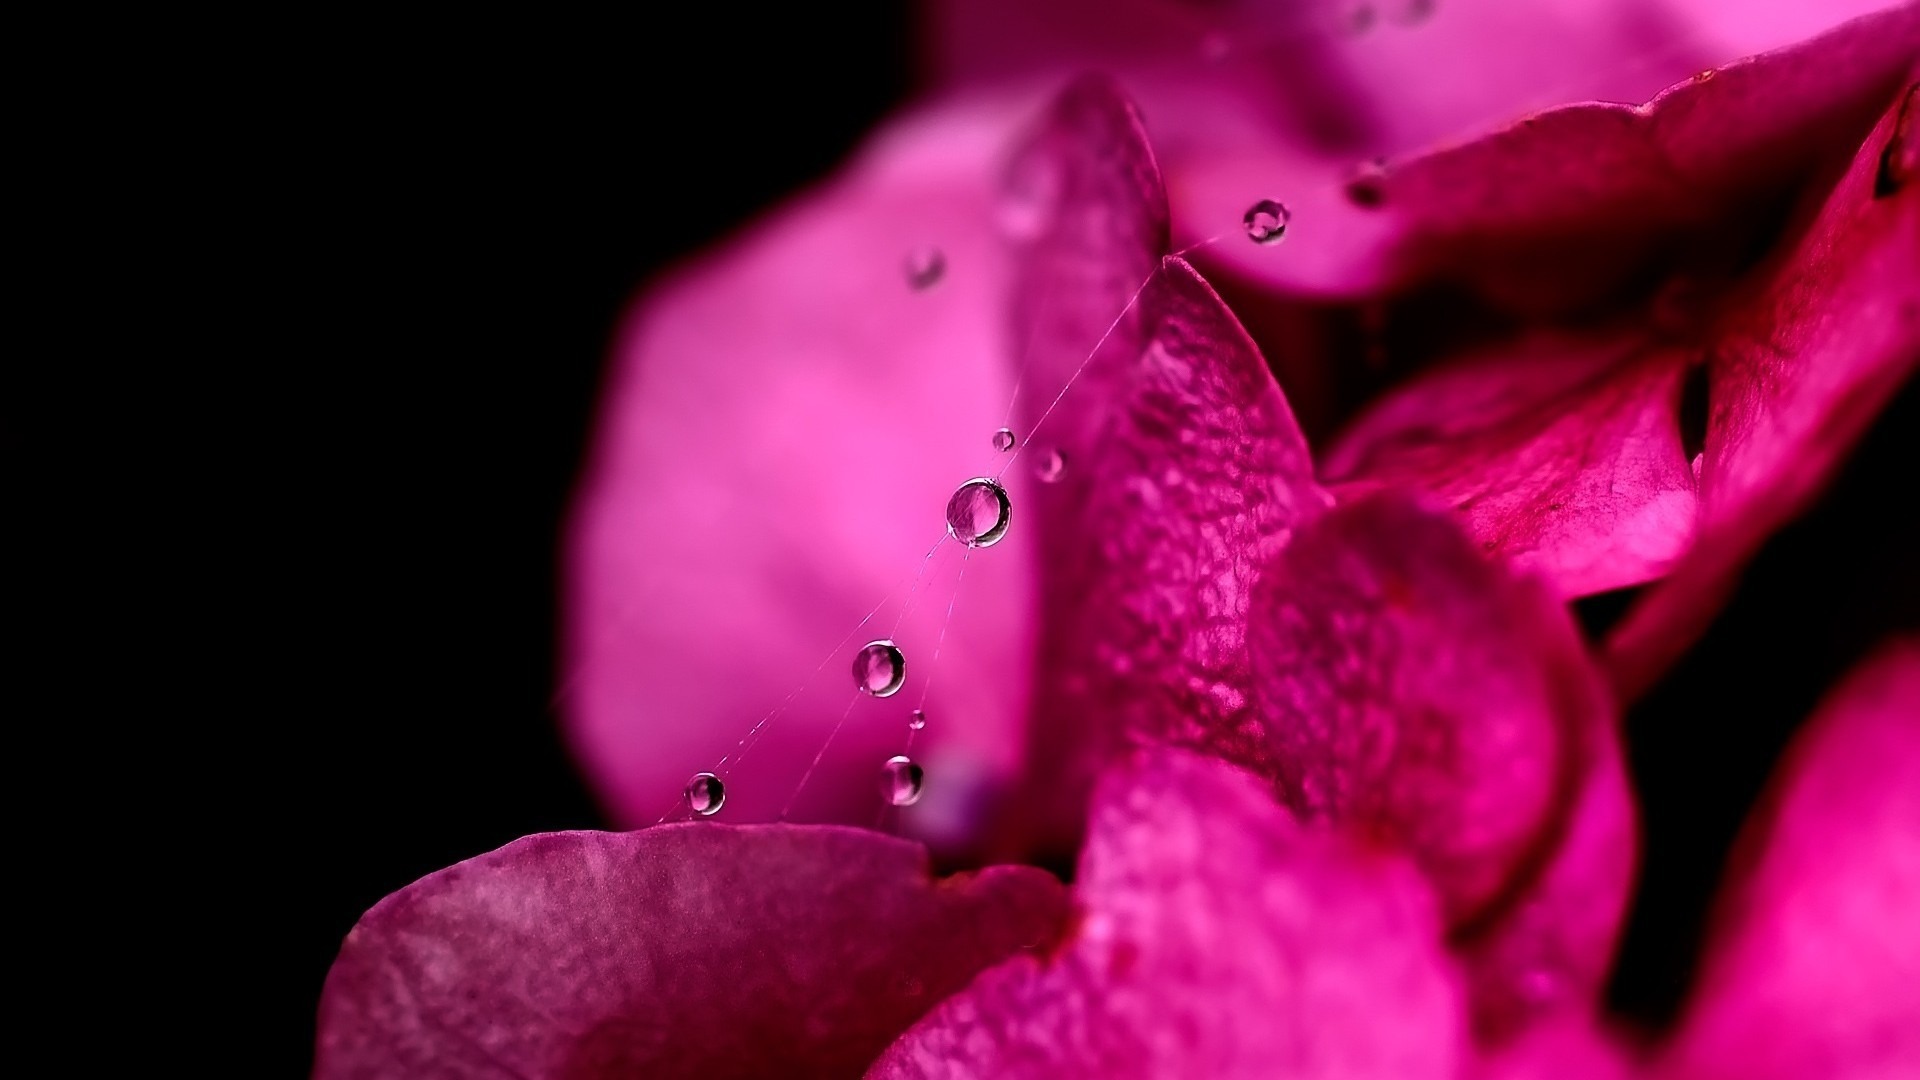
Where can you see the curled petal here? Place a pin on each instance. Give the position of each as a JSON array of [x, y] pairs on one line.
[[1814, 953], [1217, 937], [1184, 469], [686, 950], [1419, 694]]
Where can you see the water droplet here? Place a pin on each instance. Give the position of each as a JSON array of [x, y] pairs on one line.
[[1367, 184], [979, 512], [1051, 465], [706, 794], [1900, 161], [1266, 221], [925, 267], [1003, 439], [902, 781], [880, 669], [918, 720]]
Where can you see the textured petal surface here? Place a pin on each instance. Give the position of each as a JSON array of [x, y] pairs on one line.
[[1797, 374], [692, 950], [1562, 453], [783, 423], [1421, 695], [1813, 966], [1183, 470], [1217, 938]]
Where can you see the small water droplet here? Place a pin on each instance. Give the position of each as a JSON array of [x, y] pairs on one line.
[[1051, 465], [1367, 184], [706, 794], [1003, 440], [918, 719], [880, 669], [902, 781], [1266, 221], [925, 267], [979, 512]]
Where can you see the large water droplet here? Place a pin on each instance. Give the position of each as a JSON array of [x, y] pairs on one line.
[[880, 669], [1266, 221], [979, 513], [706, 794], [918, 720], [1050, 466], [901, 780], [925, 266], [1003, 440]]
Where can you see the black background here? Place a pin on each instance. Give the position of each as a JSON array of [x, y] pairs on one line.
[[452, 221], [466, 210]]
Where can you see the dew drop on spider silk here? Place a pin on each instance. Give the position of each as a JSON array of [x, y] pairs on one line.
[[902, 780], [1003, 440], [1266, 221], [706, 794], [979, 512], [925, 267], [1051, 465], [918, 719], [880, 669]]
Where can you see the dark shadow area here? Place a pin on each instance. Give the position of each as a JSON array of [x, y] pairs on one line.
[[1821, 595]]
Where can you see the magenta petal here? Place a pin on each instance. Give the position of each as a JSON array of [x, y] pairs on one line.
[[1618, 184], [1813, 965], [1797, 375], [1421, 695], [687, 950], [1562, 453], [783, 423], [1218, 938]]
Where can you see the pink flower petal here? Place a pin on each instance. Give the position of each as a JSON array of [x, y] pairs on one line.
[[1217, 938], [1798, 373], [1423, 696], [1813, 966], [686, 950], [784, 422], [1563, 454], [1183, 469]]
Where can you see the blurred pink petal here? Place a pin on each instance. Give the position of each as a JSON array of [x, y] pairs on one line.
[[686, 950], [1183, 470], [783, 422], [1217, 938], [1418, 694], [1813, 965]]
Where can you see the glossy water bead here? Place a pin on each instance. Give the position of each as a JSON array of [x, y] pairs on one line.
[[979, 512], [1266, 221], [1003, 440], [706, 794], [902, 780], [918, 719], [879, 669]]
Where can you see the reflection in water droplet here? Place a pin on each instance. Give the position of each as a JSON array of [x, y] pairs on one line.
[[880, 669], [1003, 440], [1266, 221], [925, 266], [979, 512], [918, 720], [1051, 465], [901, 780], [706, 794]]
